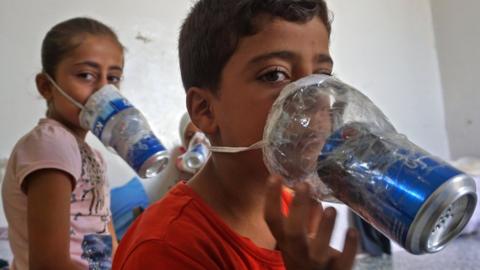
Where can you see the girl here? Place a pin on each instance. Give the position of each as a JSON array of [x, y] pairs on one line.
[[55, 195]]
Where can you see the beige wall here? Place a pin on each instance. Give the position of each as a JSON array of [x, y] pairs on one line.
[[457, 31]]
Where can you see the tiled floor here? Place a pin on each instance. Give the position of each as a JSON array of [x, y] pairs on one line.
[[462, 254]]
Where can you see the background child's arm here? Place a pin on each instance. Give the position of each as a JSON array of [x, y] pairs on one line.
[[49, 192], [111, 229]]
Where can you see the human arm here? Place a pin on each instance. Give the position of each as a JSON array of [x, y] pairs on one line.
[[303, 237], [111, 230], [48, 217]]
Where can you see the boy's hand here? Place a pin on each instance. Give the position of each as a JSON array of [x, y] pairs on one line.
[[304, 236]]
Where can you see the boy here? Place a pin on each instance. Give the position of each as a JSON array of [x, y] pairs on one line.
[[190, 137], [235, 58]]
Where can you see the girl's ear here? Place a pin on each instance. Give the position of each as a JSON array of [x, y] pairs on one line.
[[44, 87], [200, 107]]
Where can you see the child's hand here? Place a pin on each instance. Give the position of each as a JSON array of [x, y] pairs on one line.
[[303, 237]]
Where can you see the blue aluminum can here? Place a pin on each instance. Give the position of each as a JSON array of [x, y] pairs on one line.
[[417, 200], [196, 157]]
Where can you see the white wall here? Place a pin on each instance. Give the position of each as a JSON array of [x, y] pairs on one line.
[[385, 48], [457, 32]]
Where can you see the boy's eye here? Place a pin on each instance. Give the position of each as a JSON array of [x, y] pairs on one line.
[[274, 76], [324, 72], [86, 76]]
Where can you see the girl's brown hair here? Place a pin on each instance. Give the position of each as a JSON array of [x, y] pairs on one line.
[[66, 36]]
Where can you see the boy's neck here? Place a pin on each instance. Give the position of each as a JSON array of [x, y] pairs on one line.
[[236, 187], [237, 195]]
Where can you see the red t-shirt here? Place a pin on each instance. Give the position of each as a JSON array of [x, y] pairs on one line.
[[182, 232]]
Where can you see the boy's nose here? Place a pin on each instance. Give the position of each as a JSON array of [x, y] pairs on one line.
[[303, 71], [102, 81]]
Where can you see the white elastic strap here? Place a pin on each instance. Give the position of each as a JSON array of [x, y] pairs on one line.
[[65, 95], [224, 149]]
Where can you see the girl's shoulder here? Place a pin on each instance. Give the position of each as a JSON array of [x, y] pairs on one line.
[[47, 145], [48, 140], [51, 127], [48, 132]]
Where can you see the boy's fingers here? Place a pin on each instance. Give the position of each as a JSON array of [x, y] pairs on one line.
[[296, 223], [273, 213], [347, 257], [315, 213], [321, 244], [299, 211]]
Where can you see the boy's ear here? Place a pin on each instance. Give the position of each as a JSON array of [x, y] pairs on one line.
[[44, 86], [201, 109]]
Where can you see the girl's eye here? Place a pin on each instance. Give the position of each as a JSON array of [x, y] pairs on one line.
[[274, 76], [114, 79]]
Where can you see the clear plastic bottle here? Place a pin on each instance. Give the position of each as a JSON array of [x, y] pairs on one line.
[[119, 125], [325, 132]]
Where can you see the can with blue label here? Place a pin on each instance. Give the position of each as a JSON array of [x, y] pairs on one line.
[[195, 157], [417, 200], [119, 125]]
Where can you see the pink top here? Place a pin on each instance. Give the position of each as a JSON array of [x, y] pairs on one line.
[[51, 145]]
